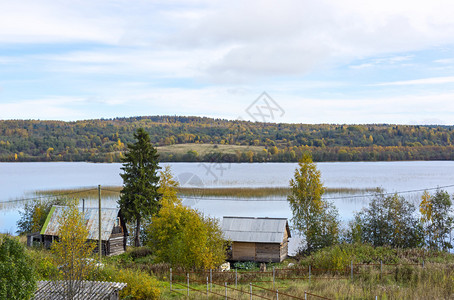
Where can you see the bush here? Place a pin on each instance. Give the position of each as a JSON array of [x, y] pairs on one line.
[[44, 265], [17, 278], [248, 265], [340, 256], [140, 285]]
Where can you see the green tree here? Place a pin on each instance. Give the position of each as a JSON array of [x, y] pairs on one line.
[[140, 197], [437, 218], [34, 214], [389, 221], [73, 251], [17, 278], [182, 236], [313, 217]]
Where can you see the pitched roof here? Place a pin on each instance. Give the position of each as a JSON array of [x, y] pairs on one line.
[[91, 216], [93, 290], [259, 230]]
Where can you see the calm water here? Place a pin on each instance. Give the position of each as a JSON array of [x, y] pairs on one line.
[[20, 180]]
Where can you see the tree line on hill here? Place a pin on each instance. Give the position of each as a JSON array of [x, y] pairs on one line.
[[105, 140]]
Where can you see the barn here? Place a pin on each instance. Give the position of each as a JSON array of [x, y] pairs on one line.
[[257, 239], [113, 235]]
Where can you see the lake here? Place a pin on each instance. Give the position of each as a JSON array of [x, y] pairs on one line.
[[21, 180]]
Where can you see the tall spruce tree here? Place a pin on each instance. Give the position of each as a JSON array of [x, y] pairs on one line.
[[140, 197]]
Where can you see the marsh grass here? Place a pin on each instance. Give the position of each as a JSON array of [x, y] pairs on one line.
[[233, 192]]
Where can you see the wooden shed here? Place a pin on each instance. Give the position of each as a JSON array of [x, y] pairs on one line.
[[113, 235], [257, 239]]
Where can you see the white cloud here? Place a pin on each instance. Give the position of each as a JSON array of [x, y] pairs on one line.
[[51, 108], [235, 39], [44, 21], [434, 80], [256, 45], [445, 61]]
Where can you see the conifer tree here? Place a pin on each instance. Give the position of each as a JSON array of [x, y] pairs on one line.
[[139, 198]]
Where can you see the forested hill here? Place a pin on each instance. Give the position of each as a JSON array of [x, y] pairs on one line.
[[207, 139]]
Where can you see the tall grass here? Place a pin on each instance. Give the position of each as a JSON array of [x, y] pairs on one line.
[[233, 192]]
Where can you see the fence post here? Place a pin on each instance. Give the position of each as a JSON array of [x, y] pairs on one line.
[[250, 290], [187, 276], [211, 280], [381, 269], [236, 278], [274, 275], [309, 273], [225, 284], [207, 286], [305, 295], [170, 279], [351, 269]]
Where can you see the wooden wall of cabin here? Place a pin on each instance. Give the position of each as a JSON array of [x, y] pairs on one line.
[[259, 252], [115, 244], [266, 252], [243, 251]]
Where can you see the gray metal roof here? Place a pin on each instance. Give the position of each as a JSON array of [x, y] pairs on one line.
[[258, 230], [93, 290], [91, 216]]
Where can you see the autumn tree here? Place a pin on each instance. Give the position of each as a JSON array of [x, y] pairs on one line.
[[182, 236], [389, 220], [17, 277], [72, 251], [313, 217], [34, 214], [139, 198], [438, 220]]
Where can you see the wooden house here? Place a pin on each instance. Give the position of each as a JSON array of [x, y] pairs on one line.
[[257, 239], [113, 235]]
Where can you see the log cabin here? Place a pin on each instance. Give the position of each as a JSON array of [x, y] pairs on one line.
[[257, 239], [113, 235]]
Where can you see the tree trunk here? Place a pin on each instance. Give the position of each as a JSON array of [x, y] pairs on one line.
[[125, 230], [137, 235]]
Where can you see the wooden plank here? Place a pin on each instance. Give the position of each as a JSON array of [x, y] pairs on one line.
[[243, 251], [266, 252]]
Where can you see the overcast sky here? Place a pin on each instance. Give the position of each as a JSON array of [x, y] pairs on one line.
[[339, 61]]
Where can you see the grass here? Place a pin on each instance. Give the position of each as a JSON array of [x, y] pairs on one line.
[[202, 149], [234, 192], [434, 281]]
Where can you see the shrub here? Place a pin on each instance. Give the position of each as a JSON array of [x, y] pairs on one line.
[[140, 285], [44, 265], [340, 256], [17, 278], [248, 265]]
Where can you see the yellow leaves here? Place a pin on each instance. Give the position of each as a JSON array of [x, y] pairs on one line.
[[72, 249], [168, 187], [425, 207]]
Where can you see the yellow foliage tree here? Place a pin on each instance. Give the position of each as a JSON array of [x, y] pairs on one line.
[[314, 217], [182, 236], [73, 251]]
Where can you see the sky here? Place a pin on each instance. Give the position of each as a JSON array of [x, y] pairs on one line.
[[302, 61]]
